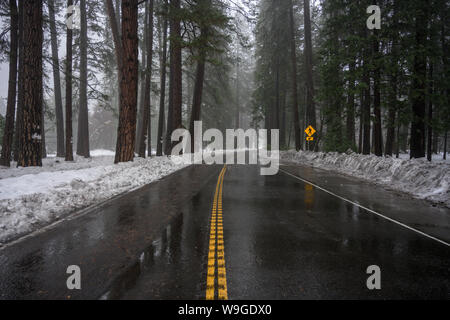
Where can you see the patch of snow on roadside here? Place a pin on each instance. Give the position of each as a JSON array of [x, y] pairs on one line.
[[418, 177], [31, 198]]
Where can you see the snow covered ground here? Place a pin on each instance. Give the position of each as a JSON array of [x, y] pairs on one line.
[[418, 177], [33, 197]]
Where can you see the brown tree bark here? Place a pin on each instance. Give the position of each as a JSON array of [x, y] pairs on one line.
[[56, 81], [128, 83], [69, 143], [83, 122], [8, 133], [30, 153], [298, 143], [145, 134], [163, 62]]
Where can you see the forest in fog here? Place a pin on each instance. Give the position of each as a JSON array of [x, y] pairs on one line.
[[124, 74]]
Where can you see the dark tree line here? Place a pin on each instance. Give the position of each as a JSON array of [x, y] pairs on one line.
[[24, 132], [381, 91], [196, 36]]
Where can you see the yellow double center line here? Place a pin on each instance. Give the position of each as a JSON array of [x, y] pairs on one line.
[[216, 245]]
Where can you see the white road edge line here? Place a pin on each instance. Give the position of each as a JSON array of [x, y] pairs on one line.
[[367, 209]]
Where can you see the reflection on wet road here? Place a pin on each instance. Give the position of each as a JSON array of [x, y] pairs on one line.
[[282, 239]]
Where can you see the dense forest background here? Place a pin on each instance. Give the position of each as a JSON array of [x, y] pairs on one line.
[[127, 73]]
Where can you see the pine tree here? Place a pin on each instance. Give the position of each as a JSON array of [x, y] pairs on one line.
[[12, 82], [30, 152], [145, 134], [418, 90], [60, 149], [128, 83], [83, 123], [163, 62], [68, 75], [175, 81]]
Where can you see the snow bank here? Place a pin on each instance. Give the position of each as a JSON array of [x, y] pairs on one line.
[[418, 177], [31, 198]]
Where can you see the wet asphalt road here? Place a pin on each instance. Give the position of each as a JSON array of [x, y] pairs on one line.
[[283, 239]]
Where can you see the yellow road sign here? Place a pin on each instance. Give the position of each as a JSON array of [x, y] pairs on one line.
[[310, 131]]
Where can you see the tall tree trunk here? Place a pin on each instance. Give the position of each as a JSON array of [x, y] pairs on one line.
[[163, 62], [145, 135], [310, 106], [197, 98], [446, 72], [390, 133], [350, 120], [168, 143], [12, 82], [435, 142], [419, 83], [30, 153], [392, 95], [283, 117], [126, 132], [276, 111], [60, 152], [114, 22], [445, 146], [83, 122], [290, 134], [199, 79], [43, 145], [237, 115], [175, 64], [378, 149], [361, 120], [366, 106], [142, 81], [392, 110], [20, 92], [114, 17], [117, 15], [298, 143], [397, 150], [430, 115], [69, 133]]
